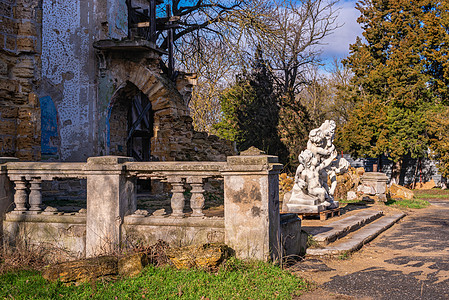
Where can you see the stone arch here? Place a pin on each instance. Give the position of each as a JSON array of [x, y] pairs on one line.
[[167, 107], [158, 88]]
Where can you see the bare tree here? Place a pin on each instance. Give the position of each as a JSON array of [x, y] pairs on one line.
[[342, 102], [214, 64], [316, 96], [216, 38], [291, 51], [217, 52], [300, 29], [326, 96]]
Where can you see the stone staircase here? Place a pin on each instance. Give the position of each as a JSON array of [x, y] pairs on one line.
[[351, 233]]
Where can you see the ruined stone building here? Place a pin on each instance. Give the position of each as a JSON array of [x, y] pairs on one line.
[[77, 80]]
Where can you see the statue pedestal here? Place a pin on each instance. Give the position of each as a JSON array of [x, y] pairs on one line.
[[301, 205], [304, 208]]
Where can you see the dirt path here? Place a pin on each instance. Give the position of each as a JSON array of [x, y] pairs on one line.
[[408, 261]]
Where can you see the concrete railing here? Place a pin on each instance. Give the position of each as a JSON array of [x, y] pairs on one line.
[[177, 174], [28, 176], [251, 223]]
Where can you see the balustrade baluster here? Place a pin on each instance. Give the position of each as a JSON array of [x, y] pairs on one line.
[[36, 195], [197, 199], [177, 199], [20, 195]]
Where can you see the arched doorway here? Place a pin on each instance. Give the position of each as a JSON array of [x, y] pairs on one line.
[[131, 124]]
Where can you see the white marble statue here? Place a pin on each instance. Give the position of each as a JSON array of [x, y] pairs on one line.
[[317, 164]]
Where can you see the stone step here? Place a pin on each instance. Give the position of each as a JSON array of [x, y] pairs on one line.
[[338, 229], [356, 240]]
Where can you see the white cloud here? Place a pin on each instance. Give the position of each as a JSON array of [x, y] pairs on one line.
[[337, 43]]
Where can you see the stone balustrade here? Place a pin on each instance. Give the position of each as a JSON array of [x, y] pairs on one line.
[[251, 223], [27, 178], [178, 174]]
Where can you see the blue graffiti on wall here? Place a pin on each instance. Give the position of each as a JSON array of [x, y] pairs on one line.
[[49, 126]]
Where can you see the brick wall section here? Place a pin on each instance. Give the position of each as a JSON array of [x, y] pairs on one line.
[[177, 140], [20, 26]]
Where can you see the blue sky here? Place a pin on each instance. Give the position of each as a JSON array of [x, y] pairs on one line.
[[337, 44]]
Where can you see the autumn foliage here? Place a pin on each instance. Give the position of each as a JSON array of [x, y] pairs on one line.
[[401, 78]]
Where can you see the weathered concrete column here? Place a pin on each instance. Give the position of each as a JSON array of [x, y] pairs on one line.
[[177, 198], [378, 181], [197, 199], [251, 203], [110, 196], [20, 194], [35, 197], [6, 189]]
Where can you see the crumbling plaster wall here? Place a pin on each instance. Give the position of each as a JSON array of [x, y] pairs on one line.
[[68, 76], [57, 95], [19, 75]]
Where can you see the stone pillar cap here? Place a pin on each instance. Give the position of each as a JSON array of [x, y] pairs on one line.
[[375, 175], [109, 160], [252, 156]]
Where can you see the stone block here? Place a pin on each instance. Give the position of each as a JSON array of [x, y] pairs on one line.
[[25, 114], [11, 43], [6, 192], [25, 143], [24, 155], [291, 236], [26, 129], [27, 29], [23, 71], [8, 127], [109, 160], [5, 9], [21, 12], [207, 256], [3, 64], [9, 85], [366, 189], [7, 25], [33, 100], [304, 208], [351, 195], [397, 191], [426, 186], [132, 265], [376, 180], [110, 196], [26, 45], [7, 145]]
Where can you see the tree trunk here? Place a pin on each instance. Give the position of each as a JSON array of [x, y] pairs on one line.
[[82, 270], [396, 171]]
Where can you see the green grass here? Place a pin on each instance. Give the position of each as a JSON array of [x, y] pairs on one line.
[[344, 256], [237, 280], [414, 203], [345, 201], [430, 196]]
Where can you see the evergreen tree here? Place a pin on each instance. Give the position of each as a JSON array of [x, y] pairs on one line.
[[251, 111], [400, 73]]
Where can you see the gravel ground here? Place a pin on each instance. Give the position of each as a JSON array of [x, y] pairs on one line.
[[408, 261]]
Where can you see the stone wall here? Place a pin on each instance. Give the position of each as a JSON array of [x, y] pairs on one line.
[[189, 144], [20, 64], [63, 237], [173, 135], [57, 91], [251, 224]]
